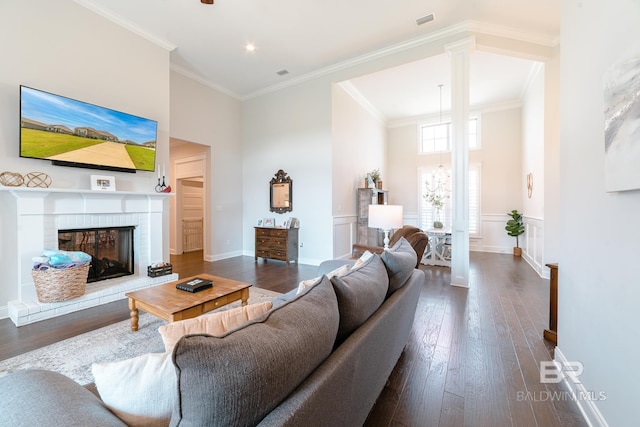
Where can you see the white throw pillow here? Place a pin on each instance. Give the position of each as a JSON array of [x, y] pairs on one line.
[[309, 283], [141, 391], [212, 324]]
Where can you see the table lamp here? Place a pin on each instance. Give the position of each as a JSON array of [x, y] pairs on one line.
[[385, 217]]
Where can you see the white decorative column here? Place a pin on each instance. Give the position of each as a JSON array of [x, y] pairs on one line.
[[459, 53]]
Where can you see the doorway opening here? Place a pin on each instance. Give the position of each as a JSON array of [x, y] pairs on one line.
[[190, 232]]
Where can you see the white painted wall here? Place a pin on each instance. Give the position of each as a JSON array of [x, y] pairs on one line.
[[62, 47], [533, 155], [358, 147], [66, 49], [551, 161], [290, 130], [598, 271], [500, 159], [203, 115], [533, 147]]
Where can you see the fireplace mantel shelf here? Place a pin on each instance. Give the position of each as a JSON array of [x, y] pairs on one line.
[[24, 191]]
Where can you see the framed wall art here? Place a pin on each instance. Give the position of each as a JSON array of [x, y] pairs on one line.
[[622, 123]]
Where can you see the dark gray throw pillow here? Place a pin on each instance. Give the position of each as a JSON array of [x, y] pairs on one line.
[[360, 292], [400, 261], [238, 378]]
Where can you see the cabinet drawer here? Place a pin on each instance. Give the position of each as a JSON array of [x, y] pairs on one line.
[[263, 242], [279, 233], [219, 302], [279, 254], [277, 243], [272, 232], [263, 232], [263, 253]]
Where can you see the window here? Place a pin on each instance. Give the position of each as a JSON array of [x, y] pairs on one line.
[[435, 138], [428, 213]]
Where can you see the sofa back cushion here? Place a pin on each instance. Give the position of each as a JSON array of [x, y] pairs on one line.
[[237, 378], [400, 261], [360, 292]]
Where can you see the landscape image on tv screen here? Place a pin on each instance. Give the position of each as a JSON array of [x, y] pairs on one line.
[[76, 133]]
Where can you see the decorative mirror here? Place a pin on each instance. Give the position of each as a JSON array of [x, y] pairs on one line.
[[281, 193]]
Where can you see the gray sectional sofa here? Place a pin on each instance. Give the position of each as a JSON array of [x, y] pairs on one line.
[[318, 358]]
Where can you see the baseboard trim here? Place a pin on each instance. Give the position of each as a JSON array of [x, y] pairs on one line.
[[219, 257], [588, 408]]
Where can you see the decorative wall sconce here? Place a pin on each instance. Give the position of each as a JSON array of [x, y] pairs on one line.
[[529, 184]]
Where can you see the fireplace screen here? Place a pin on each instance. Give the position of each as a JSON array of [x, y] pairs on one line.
[[111, 250]]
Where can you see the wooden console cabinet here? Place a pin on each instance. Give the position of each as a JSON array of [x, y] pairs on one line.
[[277, 243], [552, 333]]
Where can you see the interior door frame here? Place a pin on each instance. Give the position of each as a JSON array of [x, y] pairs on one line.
[[184, 168]]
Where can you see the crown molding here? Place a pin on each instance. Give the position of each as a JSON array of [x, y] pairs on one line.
[[116, 19], [463, 28], [361, 59], [357, 96], [536, 68], [511, 33], [180, 70]]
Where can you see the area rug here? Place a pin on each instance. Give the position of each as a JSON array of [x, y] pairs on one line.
[[73, 357]]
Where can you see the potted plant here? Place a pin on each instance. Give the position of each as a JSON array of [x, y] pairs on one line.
[[437, 200], [375, 176], [515, 227]]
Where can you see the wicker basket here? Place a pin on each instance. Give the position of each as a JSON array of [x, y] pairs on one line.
[[56, 285]]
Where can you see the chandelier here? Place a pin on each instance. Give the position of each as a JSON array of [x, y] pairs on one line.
[[437, 187]]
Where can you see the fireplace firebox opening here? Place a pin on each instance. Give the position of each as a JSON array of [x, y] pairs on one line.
[[111, 250]]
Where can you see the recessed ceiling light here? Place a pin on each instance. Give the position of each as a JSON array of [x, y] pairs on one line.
[[250, 47], [430, 17]]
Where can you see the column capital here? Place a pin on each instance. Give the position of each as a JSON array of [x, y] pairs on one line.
[[466, 44]]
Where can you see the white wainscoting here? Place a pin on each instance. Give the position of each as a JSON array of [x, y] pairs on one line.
[[345, 232], [344, 235], [492, 237], [495, 239], [531, 243]]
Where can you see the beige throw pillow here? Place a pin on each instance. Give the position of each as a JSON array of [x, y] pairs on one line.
[[309, 283], [211, 324], [365, 256]]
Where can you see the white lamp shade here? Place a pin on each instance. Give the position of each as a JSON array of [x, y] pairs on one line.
[[386, 217]]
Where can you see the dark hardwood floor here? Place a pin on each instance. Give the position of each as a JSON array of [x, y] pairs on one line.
[[472, 358]]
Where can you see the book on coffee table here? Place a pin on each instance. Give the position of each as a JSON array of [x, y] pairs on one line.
[[194, 285]]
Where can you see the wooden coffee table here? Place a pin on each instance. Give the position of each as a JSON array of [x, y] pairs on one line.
[[171, 304]]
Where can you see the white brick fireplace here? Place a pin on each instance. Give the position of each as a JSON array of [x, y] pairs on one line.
[[40, 213]]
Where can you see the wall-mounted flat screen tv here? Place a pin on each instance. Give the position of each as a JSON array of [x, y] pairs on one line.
[[74, 133]]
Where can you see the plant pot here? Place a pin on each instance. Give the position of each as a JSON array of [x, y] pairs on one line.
[[517, 251], [379, 184], [437, 224]]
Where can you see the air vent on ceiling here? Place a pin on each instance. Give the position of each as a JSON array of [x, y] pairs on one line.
[[430, 17], [282, 72]]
